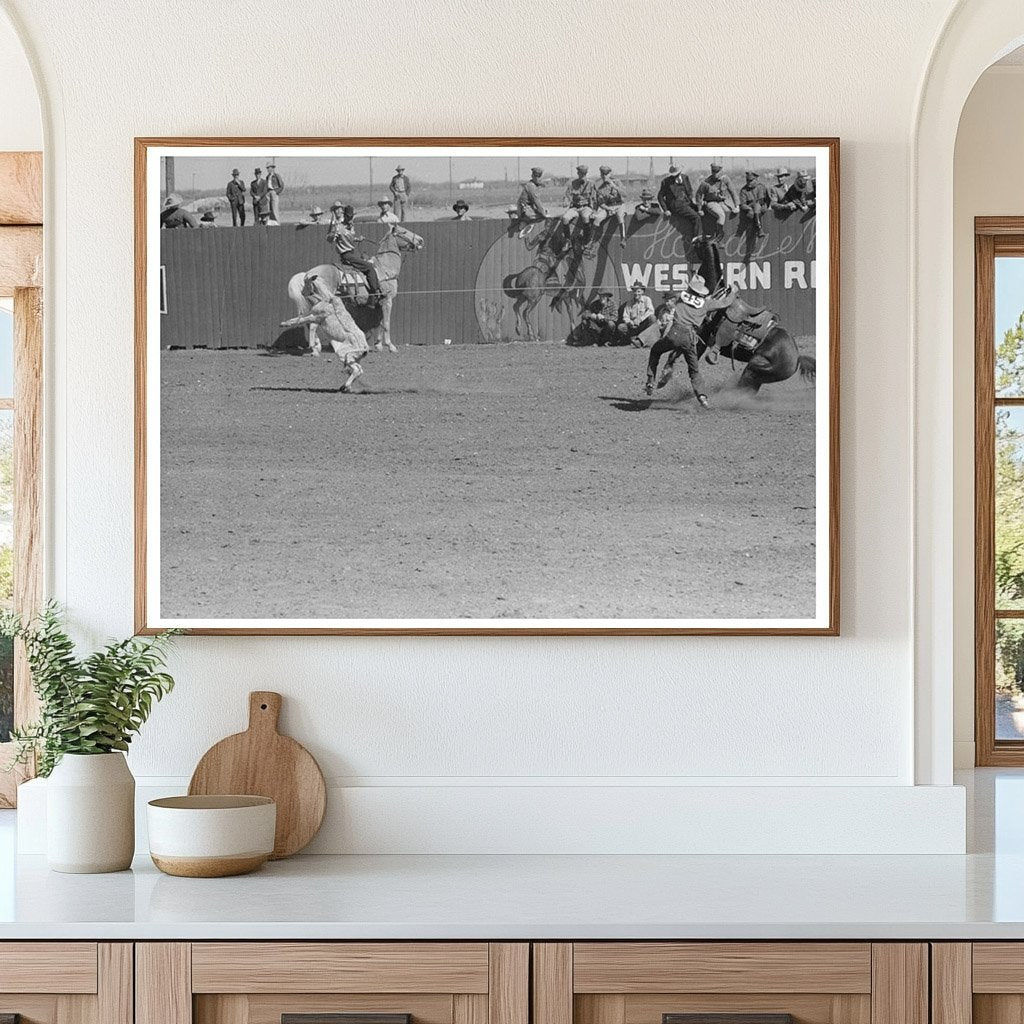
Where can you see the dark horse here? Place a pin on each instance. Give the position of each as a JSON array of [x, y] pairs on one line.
[[775, 357]]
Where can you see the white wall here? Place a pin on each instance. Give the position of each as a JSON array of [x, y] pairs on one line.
[[446, 713], [21, 126], [989, 180]]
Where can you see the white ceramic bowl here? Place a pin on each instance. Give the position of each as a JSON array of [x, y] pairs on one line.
[[211, 836]]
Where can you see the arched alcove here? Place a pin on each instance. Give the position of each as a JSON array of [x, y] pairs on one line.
[[975, 35]]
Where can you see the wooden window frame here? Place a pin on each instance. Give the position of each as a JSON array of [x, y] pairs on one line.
[[993, 237], [21, 278]]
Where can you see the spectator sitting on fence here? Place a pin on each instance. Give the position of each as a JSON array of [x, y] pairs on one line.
[[608, 197], [461, 208], [530, 208], [676, 198], [715, 194], [174, 215], [208, 220], [387, 214], [315, 214], [636, 317], [800, 194], [648, 207], [599, 317], [778, 192], [754, 201], [579, 202]]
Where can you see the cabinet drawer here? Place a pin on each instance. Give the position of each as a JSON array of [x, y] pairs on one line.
[[65, 967], [66, 982], [332, 983], [635, 967], [730, 983]]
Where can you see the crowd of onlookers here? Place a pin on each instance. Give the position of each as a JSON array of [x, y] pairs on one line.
[[587, 203]]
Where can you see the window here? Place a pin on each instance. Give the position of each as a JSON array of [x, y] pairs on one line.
[[999, 491]]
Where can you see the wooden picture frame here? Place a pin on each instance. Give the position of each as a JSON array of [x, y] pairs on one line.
[[993, 237], [150, 617]]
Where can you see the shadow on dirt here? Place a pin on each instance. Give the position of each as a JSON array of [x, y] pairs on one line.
[[643, 404], [337, 390]]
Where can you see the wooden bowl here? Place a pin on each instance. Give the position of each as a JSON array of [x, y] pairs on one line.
[[211, 836]]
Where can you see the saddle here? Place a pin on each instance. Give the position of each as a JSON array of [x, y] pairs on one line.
[[354, 282], [751, 323]]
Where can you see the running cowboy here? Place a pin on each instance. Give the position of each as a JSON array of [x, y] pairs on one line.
[[691, 310], [715, 195], [343, 235]]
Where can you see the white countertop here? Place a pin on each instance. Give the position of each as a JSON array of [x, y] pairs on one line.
[[516, 897], [977, 896]]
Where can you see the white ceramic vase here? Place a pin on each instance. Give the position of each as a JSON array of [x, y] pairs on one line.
[[90, 814]]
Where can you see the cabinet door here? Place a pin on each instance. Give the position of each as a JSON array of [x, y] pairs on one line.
[[66, 982], [730, 983], [332, 983], [981, 982]]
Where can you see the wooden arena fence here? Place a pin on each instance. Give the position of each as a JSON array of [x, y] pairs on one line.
[[227, 287]]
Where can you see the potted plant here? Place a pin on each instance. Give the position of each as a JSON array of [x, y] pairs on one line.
[[90, 708]]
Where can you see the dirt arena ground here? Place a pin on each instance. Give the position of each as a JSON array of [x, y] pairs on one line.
[[480, 481]]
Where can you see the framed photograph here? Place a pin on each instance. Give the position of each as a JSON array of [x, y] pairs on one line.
[[487, 386]]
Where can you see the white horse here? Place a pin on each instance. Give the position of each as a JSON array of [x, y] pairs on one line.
[[328, 318], [311, 286]]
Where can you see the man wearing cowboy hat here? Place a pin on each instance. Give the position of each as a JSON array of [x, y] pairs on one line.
[[387, 214], [778, 191], [608, 197], [636, 317], [681, 338], [260, 198], [647, 208], [530, 208], [754, 202], [715, 195], [461, 208], [676, 198], [173, 215], [275, 186], [315, 214], [236, 198], [344, 238], [599, 316], [579, 200], [401, 192], [801, 192]]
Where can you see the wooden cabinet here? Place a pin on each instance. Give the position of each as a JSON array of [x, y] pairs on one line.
[[262, 982], [754, 982], [978, 983], [66, 982]]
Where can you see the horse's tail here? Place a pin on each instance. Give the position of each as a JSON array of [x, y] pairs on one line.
[[808, 367], [509, 285]]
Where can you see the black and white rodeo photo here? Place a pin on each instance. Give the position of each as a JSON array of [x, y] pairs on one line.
[[571, 385]]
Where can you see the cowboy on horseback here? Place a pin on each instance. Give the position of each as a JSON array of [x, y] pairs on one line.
[[343, 235]]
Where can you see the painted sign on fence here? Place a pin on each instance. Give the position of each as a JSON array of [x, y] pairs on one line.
[[473, 282]]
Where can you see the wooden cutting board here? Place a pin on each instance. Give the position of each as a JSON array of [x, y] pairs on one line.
[[262, 762]]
